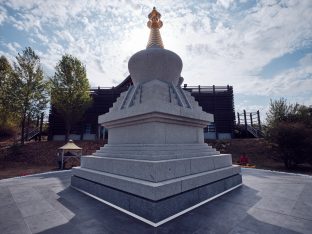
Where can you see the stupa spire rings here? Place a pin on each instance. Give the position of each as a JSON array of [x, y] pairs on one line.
[[154, 19], [154, 23]]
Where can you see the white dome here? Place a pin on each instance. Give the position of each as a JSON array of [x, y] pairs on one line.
[[155, 64]]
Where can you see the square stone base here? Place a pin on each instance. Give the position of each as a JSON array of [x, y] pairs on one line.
[[156, 212]]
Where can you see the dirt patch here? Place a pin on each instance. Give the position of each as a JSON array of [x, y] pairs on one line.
[[36, 157]]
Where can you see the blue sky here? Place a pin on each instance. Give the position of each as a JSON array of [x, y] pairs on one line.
[[262, 48]]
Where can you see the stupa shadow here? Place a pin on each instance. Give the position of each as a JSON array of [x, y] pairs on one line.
[[231, 213]]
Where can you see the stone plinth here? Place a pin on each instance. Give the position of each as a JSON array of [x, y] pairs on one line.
[[156, 164]]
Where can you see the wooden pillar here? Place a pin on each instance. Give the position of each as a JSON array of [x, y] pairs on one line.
[[214, 111], [37, 126], [245, 118], [38, 119], [259, 122], [99, 132], [251, 119], [41, 125], [27, 128]]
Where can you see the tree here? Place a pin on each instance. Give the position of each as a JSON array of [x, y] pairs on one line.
[[70, 91], [290, 127], [31, 87], [293, 142], [8, 118], [6, 74], [279, 111]]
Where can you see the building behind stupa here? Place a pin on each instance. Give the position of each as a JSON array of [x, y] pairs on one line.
[[156, 164]]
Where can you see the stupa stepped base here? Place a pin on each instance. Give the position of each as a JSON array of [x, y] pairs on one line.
[[156, 212], [155, 152], [156, 190]]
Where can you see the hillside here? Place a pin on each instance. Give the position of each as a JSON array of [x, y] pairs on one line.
[[35, 157], [38, 157]]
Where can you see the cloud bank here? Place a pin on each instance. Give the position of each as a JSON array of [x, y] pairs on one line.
[[220, 42]]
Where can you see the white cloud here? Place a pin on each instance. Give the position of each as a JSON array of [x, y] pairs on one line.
[[13, 47], [216, 45], [225, 3], [3, 14]]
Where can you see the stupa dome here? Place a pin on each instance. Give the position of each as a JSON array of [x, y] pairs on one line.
[[155, 62]]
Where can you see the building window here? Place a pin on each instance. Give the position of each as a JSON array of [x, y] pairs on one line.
[[211, 127]]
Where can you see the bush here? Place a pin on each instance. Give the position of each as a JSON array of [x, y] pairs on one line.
[[6, 132], [294, 141]]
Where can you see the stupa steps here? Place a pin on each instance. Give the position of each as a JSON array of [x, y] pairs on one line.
[[151, 151], [155, 157], [156, 171], [155, 190], [154, 150], [167, 95], [185, 146]]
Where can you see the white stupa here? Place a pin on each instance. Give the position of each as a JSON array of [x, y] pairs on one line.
[[156, 164]]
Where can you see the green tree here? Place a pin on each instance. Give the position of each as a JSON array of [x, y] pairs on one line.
[[279, 110], [30, 88], [290, 127], [6, 75], [9, 119], [70, 91]]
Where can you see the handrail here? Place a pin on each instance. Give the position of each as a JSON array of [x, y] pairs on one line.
[[184, 97], [133, 95], [126, 97], [177, 94], [28, 136]]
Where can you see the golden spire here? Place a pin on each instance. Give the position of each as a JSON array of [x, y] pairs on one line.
[[154, 24]]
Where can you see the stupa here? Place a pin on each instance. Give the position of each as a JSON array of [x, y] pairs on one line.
[[156, 165]]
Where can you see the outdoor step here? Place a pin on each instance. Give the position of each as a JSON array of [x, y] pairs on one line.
[[155, 157], [156, 171], [162, 152], [159, 190], [155, 149]]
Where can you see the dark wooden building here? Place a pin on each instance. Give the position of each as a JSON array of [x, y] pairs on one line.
[[217, 100]]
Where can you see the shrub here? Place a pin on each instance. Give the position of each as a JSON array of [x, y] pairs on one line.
[[294, 141]]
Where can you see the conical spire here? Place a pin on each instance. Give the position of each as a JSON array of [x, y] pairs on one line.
[[154, 24]]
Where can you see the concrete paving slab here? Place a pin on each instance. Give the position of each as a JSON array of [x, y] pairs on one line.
[[5, 197], [45, 221], [268, 202], [34, 207]]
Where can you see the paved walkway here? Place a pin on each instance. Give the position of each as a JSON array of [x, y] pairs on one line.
[[268, 202]]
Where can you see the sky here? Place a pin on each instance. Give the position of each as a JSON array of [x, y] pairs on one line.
[[263, 48]]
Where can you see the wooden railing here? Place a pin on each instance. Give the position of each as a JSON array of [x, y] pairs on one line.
[[207, 89]]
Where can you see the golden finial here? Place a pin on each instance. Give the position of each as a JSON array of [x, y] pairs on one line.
[[154, 24]]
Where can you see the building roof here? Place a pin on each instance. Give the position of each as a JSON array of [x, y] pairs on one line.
[[70, 145]]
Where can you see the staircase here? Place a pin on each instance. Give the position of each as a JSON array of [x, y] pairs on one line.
[[31, 134], [255, 132]]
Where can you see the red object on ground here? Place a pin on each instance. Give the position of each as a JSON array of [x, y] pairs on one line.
[[243, 160]]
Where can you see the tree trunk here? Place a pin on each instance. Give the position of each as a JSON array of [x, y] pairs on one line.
[[68, 127], [23, 129], [41, 125], [27, 127]]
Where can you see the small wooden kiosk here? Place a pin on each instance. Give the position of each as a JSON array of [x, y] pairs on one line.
[[67, 151]]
